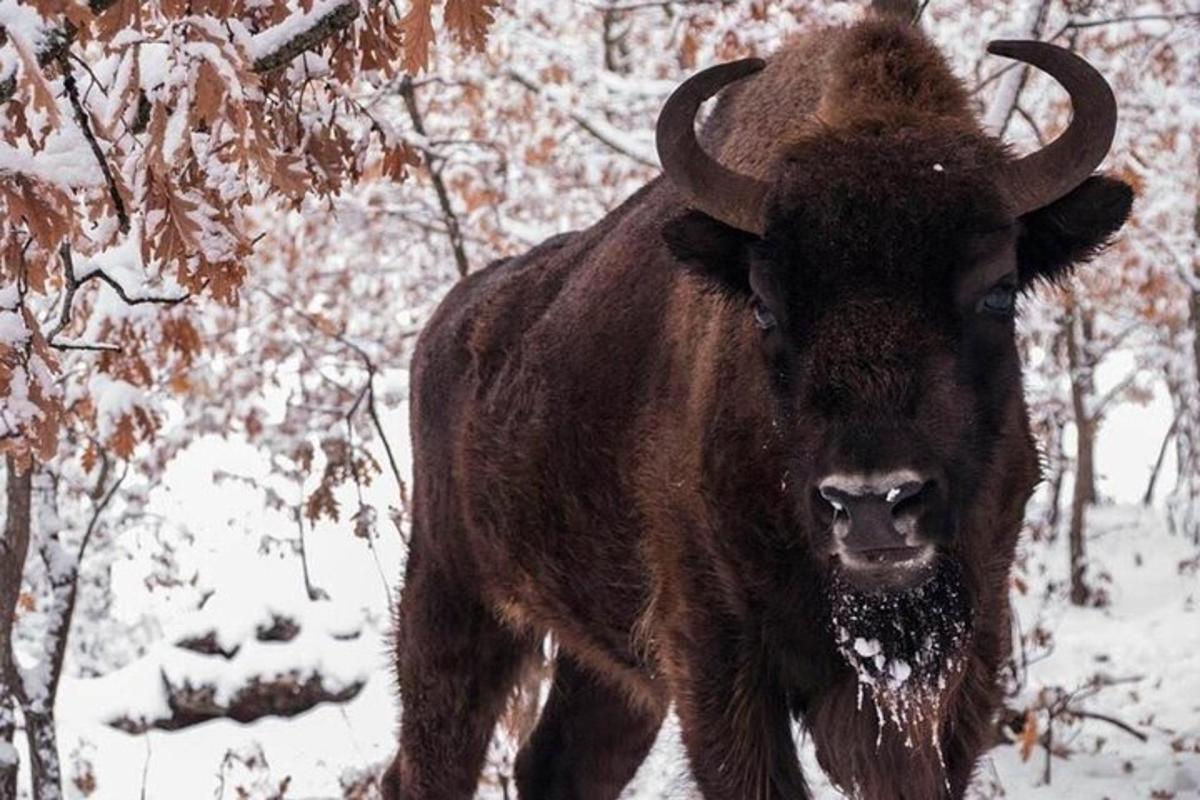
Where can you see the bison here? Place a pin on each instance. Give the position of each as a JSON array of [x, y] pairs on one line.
[[754, 444]]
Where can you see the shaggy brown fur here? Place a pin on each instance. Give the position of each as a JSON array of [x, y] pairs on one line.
[[609, 451]]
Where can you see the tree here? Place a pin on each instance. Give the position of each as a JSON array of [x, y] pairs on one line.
[[139, 142]]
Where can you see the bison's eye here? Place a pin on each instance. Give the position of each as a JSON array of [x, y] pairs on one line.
[[1001, 300], [763, 316]]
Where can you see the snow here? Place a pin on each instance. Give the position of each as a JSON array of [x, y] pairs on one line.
[[19, 19], [270, 40], [8, 754], [1149, 632], [1148, 638], [65, 161], [13, 332], [114, 399], [867, 648]]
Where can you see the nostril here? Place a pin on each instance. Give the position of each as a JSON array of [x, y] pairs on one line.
[[833, 498], [828, 507], [909, 496]]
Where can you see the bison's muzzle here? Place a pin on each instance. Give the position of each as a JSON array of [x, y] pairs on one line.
[[880, 527]]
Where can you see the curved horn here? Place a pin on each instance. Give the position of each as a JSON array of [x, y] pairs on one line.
[[1040, 178], [720, 192]]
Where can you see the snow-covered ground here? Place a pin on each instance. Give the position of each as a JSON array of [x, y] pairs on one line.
[[1144, 647]]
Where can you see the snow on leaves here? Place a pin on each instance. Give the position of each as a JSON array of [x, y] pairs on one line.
[[170, 126]]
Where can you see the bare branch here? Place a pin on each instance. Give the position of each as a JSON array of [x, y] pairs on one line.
[[1110, 720], [64, 314], [126, 297], [100, 505], [588, 125], [1077, 24], [93, 347], [1032, 123], [1098, 408], [453, 229], [368, 391], [1148, 497], [373, 413]]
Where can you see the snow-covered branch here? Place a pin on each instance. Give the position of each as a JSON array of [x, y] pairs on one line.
[[278, 45]]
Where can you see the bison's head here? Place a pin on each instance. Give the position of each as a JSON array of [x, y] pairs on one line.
[[882, 263]]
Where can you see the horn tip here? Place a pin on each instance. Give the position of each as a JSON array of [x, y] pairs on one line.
[[747, 66], [1006, 47]]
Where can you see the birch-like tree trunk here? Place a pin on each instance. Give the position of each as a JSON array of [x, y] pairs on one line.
[[1184, 503], [1189, 516], [14, 546], [1084, 493], [1004, 101]]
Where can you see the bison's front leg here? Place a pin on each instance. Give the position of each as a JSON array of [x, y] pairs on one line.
[[734, 719]]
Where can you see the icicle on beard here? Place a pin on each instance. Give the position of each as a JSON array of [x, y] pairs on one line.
[[904, 645]]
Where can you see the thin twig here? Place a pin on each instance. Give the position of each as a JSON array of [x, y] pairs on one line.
[[1077, 24], [1148, 497], [145, 765], [1110, 720], [133, 301], [372, 370], [96, 347], [586, 124], [73, 283], [387, 446], [453, 229], [99, 508], [1032, 123]]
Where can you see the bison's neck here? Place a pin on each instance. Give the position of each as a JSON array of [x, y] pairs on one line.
[[865, 741]]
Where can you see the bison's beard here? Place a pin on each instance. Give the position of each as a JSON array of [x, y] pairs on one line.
[[904, 645]]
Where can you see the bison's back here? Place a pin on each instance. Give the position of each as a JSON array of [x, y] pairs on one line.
[[529, 386]]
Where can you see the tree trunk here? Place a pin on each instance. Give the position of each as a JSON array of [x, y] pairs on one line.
[[1056, 484], [1084, 494], [1148, 497], [1189, 472], [1088, 406], [1081, 500], [8, 753], [1004, 101], [14, 546], [43, 751], [1184, 503]]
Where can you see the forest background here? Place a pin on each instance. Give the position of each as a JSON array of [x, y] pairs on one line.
[[222, 225]]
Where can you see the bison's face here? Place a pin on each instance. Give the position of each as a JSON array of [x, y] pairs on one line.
[[881, 259], [884, 293]]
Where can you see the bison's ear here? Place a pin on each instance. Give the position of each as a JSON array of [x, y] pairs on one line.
[[711, 249], [1072, 229]]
